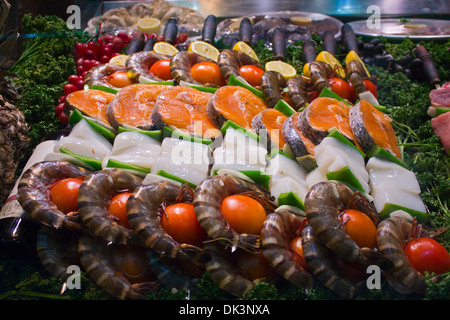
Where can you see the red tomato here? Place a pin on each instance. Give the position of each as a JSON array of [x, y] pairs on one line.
[[181, 223], [64, 194], [207, 72], [161, 69], [252, 264], [118, 208], [360, 228], [119, 79], [244, 214], [370, 86], [297, 248], [341, 88], [426, 254], [252, 74]]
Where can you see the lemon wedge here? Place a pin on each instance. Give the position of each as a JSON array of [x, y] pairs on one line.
[[352, 55], [244, 47], [306, 70], [284, 68], [165, 48], [328, 58], [204, 49], [149, 25], [119, 59]]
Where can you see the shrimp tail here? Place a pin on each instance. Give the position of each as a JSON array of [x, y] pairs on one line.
[[371, 257], [195, 254], [140, 290]]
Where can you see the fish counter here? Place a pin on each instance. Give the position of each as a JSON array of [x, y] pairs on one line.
[[166, 153]]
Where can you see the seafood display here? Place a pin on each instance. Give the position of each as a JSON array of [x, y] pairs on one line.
[[294, 179]]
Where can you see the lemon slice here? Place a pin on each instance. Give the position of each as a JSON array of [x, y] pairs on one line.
[[306, 70], [352, 55], [301, 21], [149, 25], [204, 49], [242, 46], [165, 48], [119, 59], [284, 68], [328, 58]]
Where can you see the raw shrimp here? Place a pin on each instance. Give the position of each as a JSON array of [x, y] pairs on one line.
[[94, 197], [144, 216], [231, 60], [356, 75], [272, 85], [320, 72], [34, 193], [318, 258], [298, 91], [138, 64], [278, 228], [208, 197], [98, 75], [97, 258], [181, 64], [323, 204], [391, 236]]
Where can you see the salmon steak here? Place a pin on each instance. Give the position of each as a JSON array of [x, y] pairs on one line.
[[133, 105], [235, 103], [295, 139], [322, 115], [91, 102], [184, 108], [373, 127], [270, 122]]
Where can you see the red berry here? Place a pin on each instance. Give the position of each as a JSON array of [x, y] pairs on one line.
[[59, 108], [104, 59], [87, 64], [94, 63], [123, 35], [80, 70], [83, 74], [79, 84], [69, 88], [79, 61], [118, 43], [62, 99], [100, 42], [92, 46], [115, 54], [111, 46], [182, 37], [73, 78], [80, 49], [63, 118], [107, 51], [108, 38], [89, 54]]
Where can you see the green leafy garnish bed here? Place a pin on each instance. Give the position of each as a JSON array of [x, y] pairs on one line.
[[50, 62]]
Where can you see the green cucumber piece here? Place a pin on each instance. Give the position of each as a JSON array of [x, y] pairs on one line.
[[291, 199], [234, 81], [103, 88], [94, 163], [204, 89], [327, 93], [231, 124], [170, 133], [155, 134], [441, 110], [307, 162], [380, 108], [422, 217], [275, 151], [76, 116], [165, 174], [121, 165], [145, 80], [346, 176], [284, 108], [336, 134], [379, 152]]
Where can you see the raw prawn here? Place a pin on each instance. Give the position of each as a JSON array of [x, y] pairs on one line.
[[231, 60], [356, 74], [278, 228], [298, 91], [98, 75], [34, 193], [272, 85], [208, 197], [138, 65], [94, 197], [320, 72], [181, 64]]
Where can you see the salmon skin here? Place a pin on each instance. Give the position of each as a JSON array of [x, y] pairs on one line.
[[133, 105], [270, 122], [373, 127], [295, 139], [91, 102], [234, 103], [184, 108]]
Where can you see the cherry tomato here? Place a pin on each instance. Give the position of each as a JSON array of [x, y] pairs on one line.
[[207, 72], [252, 74], [370, 86], [119, 79], [360, 228], [73, 78], [252, 264], [69, 88], [181, 223], [118, 208], [341, 88], [297, 248], [161, 69], [244, 214], [64, 194], [427, 255]]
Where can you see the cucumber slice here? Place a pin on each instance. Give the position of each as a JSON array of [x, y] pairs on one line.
[[117, 164], [346, 176], [291, 199], [307, 162], [155, 134], [285, 108], [145, 80], [200, 88], [389, 208], [327, 93], [234, 81], [379, 152], [94, 163], [231, 124], [381, 108], [336, 134], [76, 116], [177, 134], [165, 174], [276, 151], [103, 88]]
